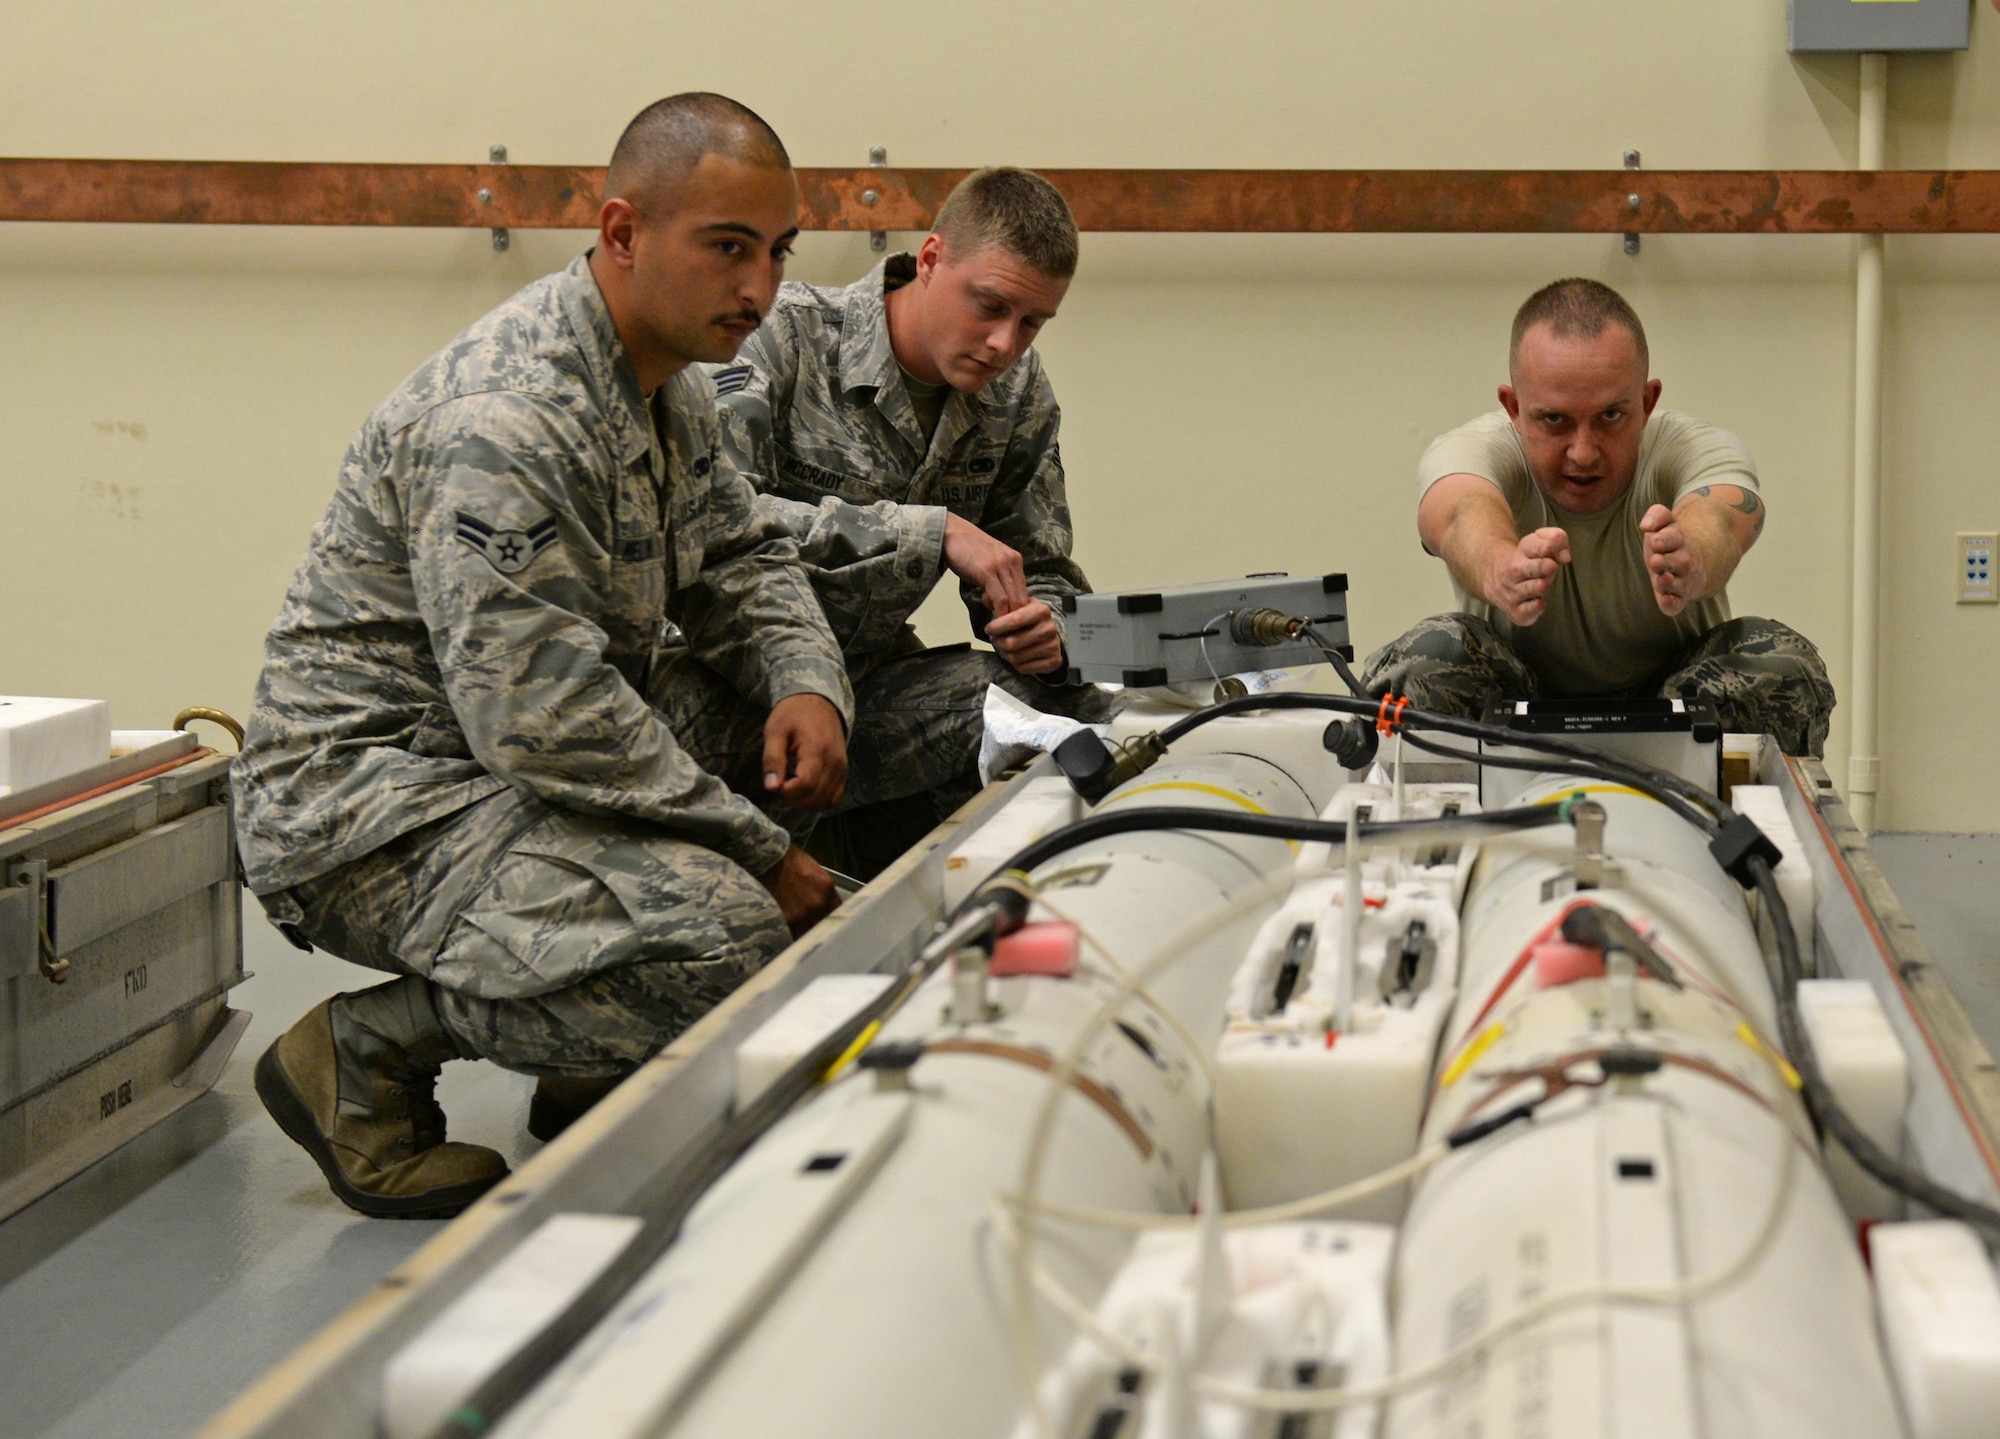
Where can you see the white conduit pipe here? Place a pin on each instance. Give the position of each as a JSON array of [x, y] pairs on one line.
[[1864, 765]]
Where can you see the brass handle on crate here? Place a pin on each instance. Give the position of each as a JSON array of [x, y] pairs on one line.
[[203, 712]]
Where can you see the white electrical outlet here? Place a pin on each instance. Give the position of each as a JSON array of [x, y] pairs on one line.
[[1976, 567]]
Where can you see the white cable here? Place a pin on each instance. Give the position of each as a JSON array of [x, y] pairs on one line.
[[1294, 1400], [1202, 635], [1308, 1207], [1146, 996], [1027, 1340]]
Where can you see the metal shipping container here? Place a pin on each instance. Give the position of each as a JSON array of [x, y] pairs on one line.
[[120, 939]]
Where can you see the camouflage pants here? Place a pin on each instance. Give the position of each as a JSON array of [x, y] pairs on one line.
[[1763, 677], [560, 943], [914, 755]]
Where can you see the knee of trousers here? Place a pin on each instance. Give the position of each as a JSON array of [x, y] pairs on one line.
[[610, 1020], [1449, 664], [1766, 649]]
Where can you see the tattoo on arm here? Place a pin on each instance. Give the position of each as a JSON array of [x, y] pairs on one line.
[[1750, 504]]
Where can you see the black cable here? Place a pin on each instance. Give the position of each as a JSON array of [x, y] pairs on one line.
[[1269, 826], [1335, 658], [667, 1202], [1694, 804], [1819, 1094], [1699, 819]]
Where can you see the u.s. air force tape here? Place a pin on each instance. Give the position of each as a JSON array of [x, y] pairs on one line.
[[508, 551]]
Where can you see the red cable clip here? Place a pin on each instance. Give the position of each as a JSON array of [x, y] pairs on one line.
[[1387, 723]]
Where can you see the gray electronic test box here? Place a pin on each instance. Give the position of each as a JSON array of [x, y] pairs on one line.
[[1158, 637]]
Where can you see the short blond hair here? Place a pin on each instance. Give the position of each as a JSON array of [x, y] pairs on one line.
[[1016, 210], [1577, 308]]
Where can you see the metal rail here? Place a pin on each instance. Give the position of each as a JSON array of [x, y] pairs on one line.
[[527, 197]]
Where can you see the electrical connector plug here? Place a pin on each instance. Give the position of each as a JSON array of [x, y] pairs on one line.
[[1740, 842]]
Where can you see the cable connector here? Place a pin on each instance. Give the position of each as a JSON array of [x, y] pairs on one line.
[[1739, 843], [1094, 769], [1351, 742], [1260, 625]]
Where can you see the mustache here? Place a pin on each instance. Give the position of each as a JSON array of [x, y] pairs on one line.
[[755, 317]]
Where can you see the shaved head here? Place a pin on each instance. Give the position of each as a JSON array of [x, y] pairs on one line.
[[667, 140]]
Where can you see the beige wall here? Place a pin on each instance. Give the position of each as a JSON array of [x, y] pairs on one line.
[[174, 402]]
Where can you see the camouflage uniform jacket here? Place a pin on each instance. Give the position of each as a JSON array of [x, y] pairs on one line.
[[487, 596], [816, 414]]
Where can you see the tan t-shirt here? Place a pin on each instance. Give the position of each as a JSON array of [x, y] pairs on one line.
[[1602, 633]]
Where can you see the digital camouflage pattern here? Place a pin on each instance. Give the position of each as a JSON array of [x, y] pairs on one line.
[[816, 414], [529, 651], [553, 943], [516, 537], [1763, 677]]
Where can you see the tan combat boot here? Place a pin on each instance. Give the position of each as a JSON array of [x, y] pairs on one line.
[[353, 1084]]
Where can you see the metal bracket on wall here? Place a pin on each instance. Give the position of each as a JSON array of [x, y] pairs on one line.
[[1633, 203], [878, 158], [497, 155]]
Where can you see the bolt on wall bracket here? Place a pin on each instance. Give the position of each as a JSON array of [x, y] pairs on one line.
[[496, 155], [1632, 202], [878, 157]]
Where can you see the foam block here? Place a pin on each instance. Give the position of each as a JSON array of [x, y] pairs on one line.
[[1864, 1062], [452, 1355], [1940, 1309], [800, 1023], [1765, 805], [46, 739]]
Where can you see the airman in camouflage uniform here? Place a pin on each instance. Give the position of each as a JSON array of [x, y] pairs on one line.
[[1590, 538], [877, 474], [518, 692]]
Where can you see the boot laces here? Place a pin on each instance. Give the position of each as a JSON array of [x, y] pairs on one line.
[[416, 1083]]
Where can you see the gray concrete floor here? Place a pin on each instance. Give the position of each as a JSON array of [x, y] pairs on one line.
[[144, 1294], [141, 1296]]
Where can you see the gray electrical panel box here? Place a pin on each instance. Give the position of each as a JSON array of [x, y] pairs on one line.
[[1157, 637], [1854, 25]]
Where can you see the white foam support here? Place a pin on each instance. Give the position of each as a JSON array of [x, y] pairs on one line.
[[45, 739], [452, 1355], [1870, 1074], [1765, 805], [1940, 1309], [800, 1023]]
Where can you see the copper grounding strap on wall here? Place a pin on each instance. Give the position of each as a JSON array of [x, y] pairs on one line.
[[528, 197]]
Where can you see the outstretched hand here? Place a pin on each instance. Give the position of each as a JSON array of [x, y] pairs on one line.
[[1519, 584], [805, 752], [1676, 568]]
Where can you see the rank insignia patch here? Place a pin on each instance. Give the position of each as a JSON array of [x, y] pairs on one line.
[[729, 381], [508, 551]]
